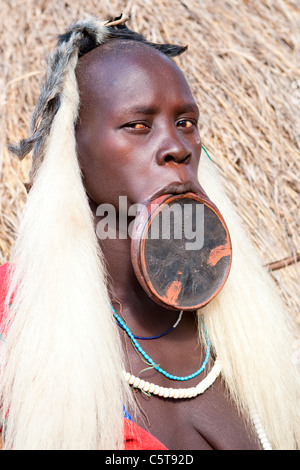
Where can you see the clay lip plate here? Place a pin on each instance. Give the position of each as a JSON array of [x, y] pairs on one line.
[[172, 276]]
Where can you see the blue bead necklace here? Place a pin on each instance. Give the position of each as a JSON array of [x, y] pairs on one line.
[[161, 334], [156, 366]]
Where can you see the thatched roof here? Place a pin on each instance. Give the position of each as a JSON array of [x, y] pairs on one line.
[[243, 64]]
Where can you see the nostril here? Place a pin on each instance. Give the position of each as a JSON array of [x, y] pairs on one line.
[[172, 158], [187, 157]]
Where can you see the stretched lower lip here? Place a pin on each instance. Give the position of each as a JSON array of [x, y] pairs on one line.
[[175, 189]]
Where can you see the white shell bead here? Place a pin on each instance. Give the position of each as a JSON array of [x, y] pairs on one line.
[[126, 376], [131, 379], [142, 384], [136, 382], [146, 386]]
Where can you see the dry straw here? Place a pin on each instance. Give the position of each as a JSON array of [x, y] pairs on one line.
[[243, 64]]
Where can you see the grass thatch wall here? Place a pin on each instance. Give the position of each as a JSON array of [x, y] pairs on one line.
[[243, 64]]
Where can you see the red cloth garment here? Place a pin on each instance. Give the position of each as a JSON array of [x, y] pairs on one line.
[[4, 270], [3, 291], [135, 438]]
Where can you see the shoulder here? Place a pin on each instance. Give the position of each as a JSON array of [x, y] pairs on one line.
[[4, 274]]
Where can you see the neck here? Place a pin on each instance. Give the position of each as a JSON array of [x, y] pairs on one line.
[[143, 315]]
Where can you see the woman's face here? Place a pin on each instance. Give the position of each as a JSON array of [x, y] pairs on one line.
[[137, 131]]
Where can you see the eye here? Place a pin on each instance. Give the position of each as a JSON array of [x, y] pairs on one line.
[[136, 126], [186, 123]]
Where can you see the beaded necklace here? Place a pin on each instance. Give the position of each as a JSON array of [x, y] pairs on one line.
[[156, 366], [165, 392], [161, 334], [182, 393]]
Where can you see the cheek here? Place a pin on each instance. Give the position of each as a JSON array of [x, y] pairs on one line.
[[96, 150], [106, 164], [95, 168]]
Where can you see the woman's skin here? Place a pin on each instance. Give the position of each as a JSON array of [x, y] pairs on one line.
[[137, 136]]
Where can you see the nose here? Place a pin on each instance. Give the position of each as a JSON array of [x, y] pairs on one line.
[[173, 150]]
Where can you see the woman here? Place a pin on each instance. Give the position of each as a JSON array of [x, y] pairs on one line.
[[116, 118]]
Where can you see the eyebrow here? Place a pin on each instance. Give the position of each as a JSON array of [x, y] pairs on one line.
[[188, 108], [150, 110], [143, 109]]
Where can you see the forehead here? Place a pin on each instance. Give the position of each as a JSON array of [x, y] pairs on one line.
[[120, 73]]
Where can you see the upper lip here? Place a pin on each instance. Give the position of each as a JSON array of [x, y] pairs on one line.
[[175, 188]]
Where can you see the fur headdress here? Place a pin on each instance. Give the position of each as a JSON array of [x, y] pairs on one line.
[[61, 384], [79, 39], [61, 363]]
